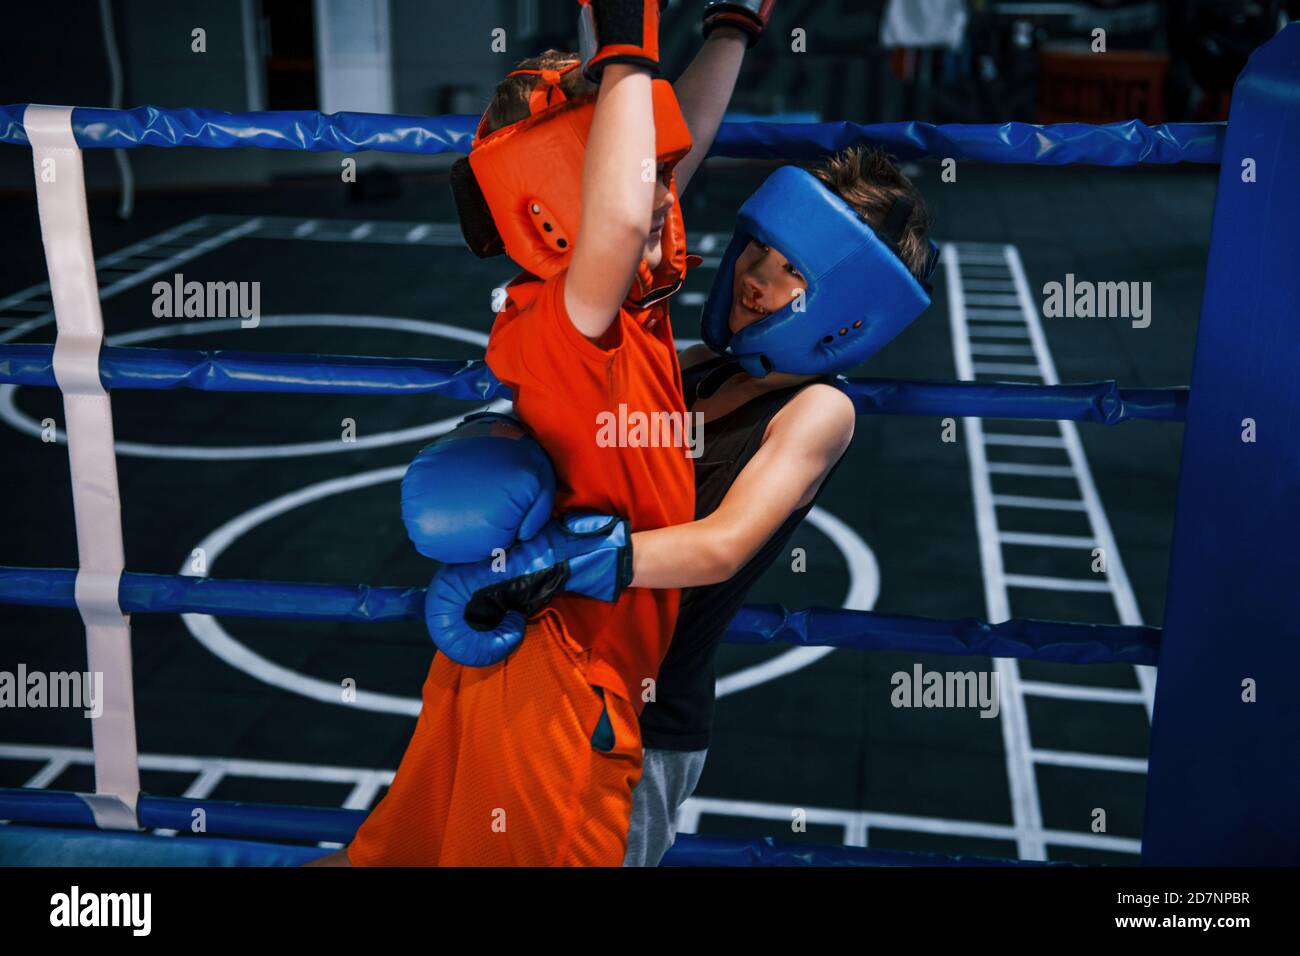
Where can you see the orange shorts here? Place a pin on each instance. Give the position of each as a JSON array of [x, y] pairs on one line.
[[519, 764]]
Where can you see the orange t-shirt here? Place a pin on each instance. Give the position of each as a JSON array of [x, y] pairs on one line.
[[563, 384]]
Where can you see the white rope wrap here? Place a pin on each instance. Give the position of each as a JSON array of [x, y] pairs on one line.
[[65, 232]]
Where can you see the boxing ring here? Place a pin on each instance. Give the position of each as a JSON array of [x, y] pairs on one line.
[[1223, 782]]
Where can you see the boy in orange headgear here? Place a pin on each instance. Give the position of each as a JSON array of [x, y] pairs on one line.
[[533, 760]]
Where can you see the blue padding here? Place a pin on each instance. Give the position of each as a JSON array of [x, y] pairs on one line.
[[265, 820], [753, 624], [177, 594], [693, 850], [37, 846], [288, 129], [219, 817], [1103, 403], [1021, 638], [1224, 778], [222, 371], [1115, 144], [44, 806]]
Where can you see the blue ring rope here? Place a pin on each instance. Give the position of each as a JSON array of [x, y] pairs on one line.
[[1129, 143]]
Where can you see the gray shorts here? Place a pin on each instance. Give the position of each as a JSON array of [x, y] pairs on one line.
[[668, 777]]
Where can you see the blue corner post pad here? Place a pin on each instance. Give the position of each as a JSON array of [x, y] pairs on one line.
[[1223, 782]]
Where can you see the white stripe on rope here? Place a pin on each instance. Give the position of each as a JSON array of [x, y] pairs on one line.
[[65, 231]]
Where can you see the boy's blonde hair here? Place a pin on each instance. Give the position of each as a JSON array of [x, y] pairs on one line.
[[869, 181], [509, 103]]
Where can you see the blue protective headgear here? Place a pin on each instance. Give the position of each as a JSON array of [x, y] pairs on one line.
[[859, 295]]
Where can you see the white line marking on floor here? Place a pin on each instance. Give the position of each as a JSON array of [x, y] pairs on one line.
[[1047, 540], [1090, 761], [1041, 504], [1013, 721], [1108, 695], [1126, 605], [1023, 441], [1044, 583]]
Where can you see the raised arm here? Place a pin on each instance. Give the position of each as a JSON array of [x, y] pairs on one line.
[[620, 52], [804, 441], [704, 89], [616, 200]]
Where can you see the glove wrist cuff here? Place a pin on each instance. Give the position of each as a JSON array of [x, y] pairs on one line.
[[625, 568], [741, 24]]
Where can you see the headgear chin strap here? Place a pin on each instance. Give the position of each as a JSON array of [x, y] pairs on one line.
[[520, 191], [860, 295]]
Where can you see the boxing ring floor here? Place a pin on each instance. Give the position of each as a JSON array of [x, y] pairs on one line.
[[234, 712]]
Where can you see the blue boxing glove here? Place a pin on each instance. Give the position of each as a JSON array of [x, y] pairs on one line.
[[477, 615], [482, 486]]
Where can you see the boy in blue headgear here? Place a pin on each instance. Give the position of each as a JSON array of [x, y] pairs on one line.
[[825, 268]]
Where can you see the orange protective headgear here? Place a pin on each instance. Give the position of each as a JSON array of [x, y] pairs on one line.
[[521, 189]]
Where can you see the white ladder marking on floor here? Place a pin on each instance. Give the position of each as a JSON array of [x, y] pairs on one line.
[[1040, 504], [41, 779], [1047, 540], [997, 348], [367, 782], [1023, 441], [1026, 811], [1109, 695], [1061, 758], [858, 824], [1037, 471], [232, 766], [1021, 756], [1045, 583], [1121, 588], [1025, 370]]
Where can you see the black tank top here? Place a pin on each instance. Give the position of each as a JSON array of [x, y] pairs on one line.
[[681, 716]]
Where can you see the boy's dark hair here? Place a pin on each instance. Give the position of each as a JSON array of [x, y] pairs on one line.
[[509, 103], [869, 181]]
